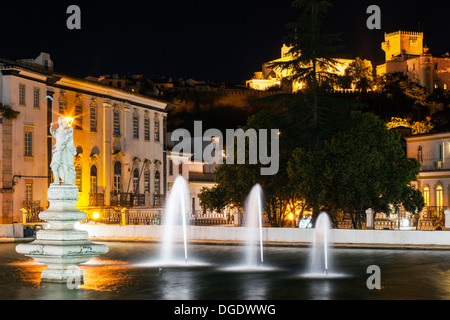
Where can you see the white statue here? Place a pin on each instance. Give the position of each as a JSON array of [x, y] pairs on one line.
[[63, 152]]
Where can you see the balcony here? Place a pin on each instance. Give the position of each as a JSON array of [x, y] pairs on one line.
[[434, 165], [128, 200], [96, 199]]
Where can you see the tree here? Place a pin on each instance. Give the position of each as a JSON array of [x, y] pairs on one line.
[[405, 98], [312, 54], [360, 74], [234, 181], [291, 115], [361, 166], [416, 127]]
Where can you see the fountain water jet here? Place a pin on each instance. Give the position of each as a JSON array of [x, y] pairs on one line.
[[253, 223], [320, 266], [320, 247], [177, 205], [254, 253], [174, 222]]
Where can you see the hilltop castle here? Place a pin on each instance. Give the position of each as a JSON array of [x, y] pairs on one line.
[[406, 53]]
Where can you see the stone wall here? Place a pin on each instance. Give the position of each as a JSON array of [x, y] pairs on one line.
[[288, 236]]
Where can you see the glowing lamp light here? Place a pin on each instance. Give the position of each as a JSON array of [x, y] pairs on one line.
[[69, 121], [96, 215], [291, 216]]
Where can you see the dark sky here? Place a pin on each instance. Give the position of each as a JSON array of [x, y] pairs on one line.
[[200, 39]]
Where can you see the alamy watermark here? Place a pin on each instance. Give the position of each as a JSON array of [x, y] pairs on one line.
[[74, 20], [374, 281], [374, 21], [242, 147]]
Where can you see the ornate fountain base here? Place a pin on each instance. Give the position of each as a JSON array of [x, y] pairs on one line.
[[61, 247]]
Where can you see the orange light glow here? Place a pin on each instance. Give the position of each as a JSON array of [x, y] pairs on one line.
[[69, 120]]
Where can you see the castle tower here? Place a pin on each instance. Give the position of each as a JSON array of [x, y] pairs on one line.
[[426, 70], [402, 43]]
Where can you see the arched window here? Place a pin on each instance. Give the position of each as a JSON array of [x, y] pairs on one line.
[[147, 129], [93, 180], [170, 167], [426, 195], [93, 118], [156, 138], [78, 119], [78, 177], [439, 196], [136, 181], [147, 181], [157, 183], [62, 107], [117, 177], [135, 125], [116, 124]]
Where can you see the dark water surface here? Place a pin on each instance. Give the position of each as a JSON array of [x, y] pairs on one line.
[[126, 272]]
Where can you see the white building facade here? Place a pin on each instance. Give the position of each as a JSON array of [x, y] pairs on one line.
[[119, 135], [433, 152]]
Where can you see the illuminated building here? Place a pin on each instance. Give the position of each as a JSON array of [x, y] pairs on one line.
[[271, 77], [405, 52], [120, 138], [433, 152], [198, 175]]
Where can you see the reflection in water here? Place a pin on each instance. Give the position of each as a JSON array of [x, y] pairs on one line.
[[253, 287], [175, 286], [406, 274]]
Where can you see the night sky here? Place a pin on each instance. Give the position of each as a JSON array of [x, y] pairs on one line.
[[221, 41]]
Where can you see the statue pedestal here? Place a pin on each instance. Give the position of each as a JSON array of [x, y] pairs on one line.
[[61, 247]]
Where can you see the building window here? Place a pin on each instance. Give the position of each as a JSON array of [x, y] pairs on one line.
[[117, 176], [180, 168], [62, 107], [157, 183], [156, 130], [420, 154], [93, 179], [147, 181], [135, 126], [28, 144], [426, 196], [29, 192], [93, 118], [445, 86], [170, 167], [116, 120], [78, 119], [435, 66], [78, 177], [22, 94], [146, 129], [439, 197], [136, 181], [36, 98]]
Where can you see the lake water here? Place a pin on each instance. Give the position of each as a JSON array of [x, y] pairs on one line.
[[127, 272]]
